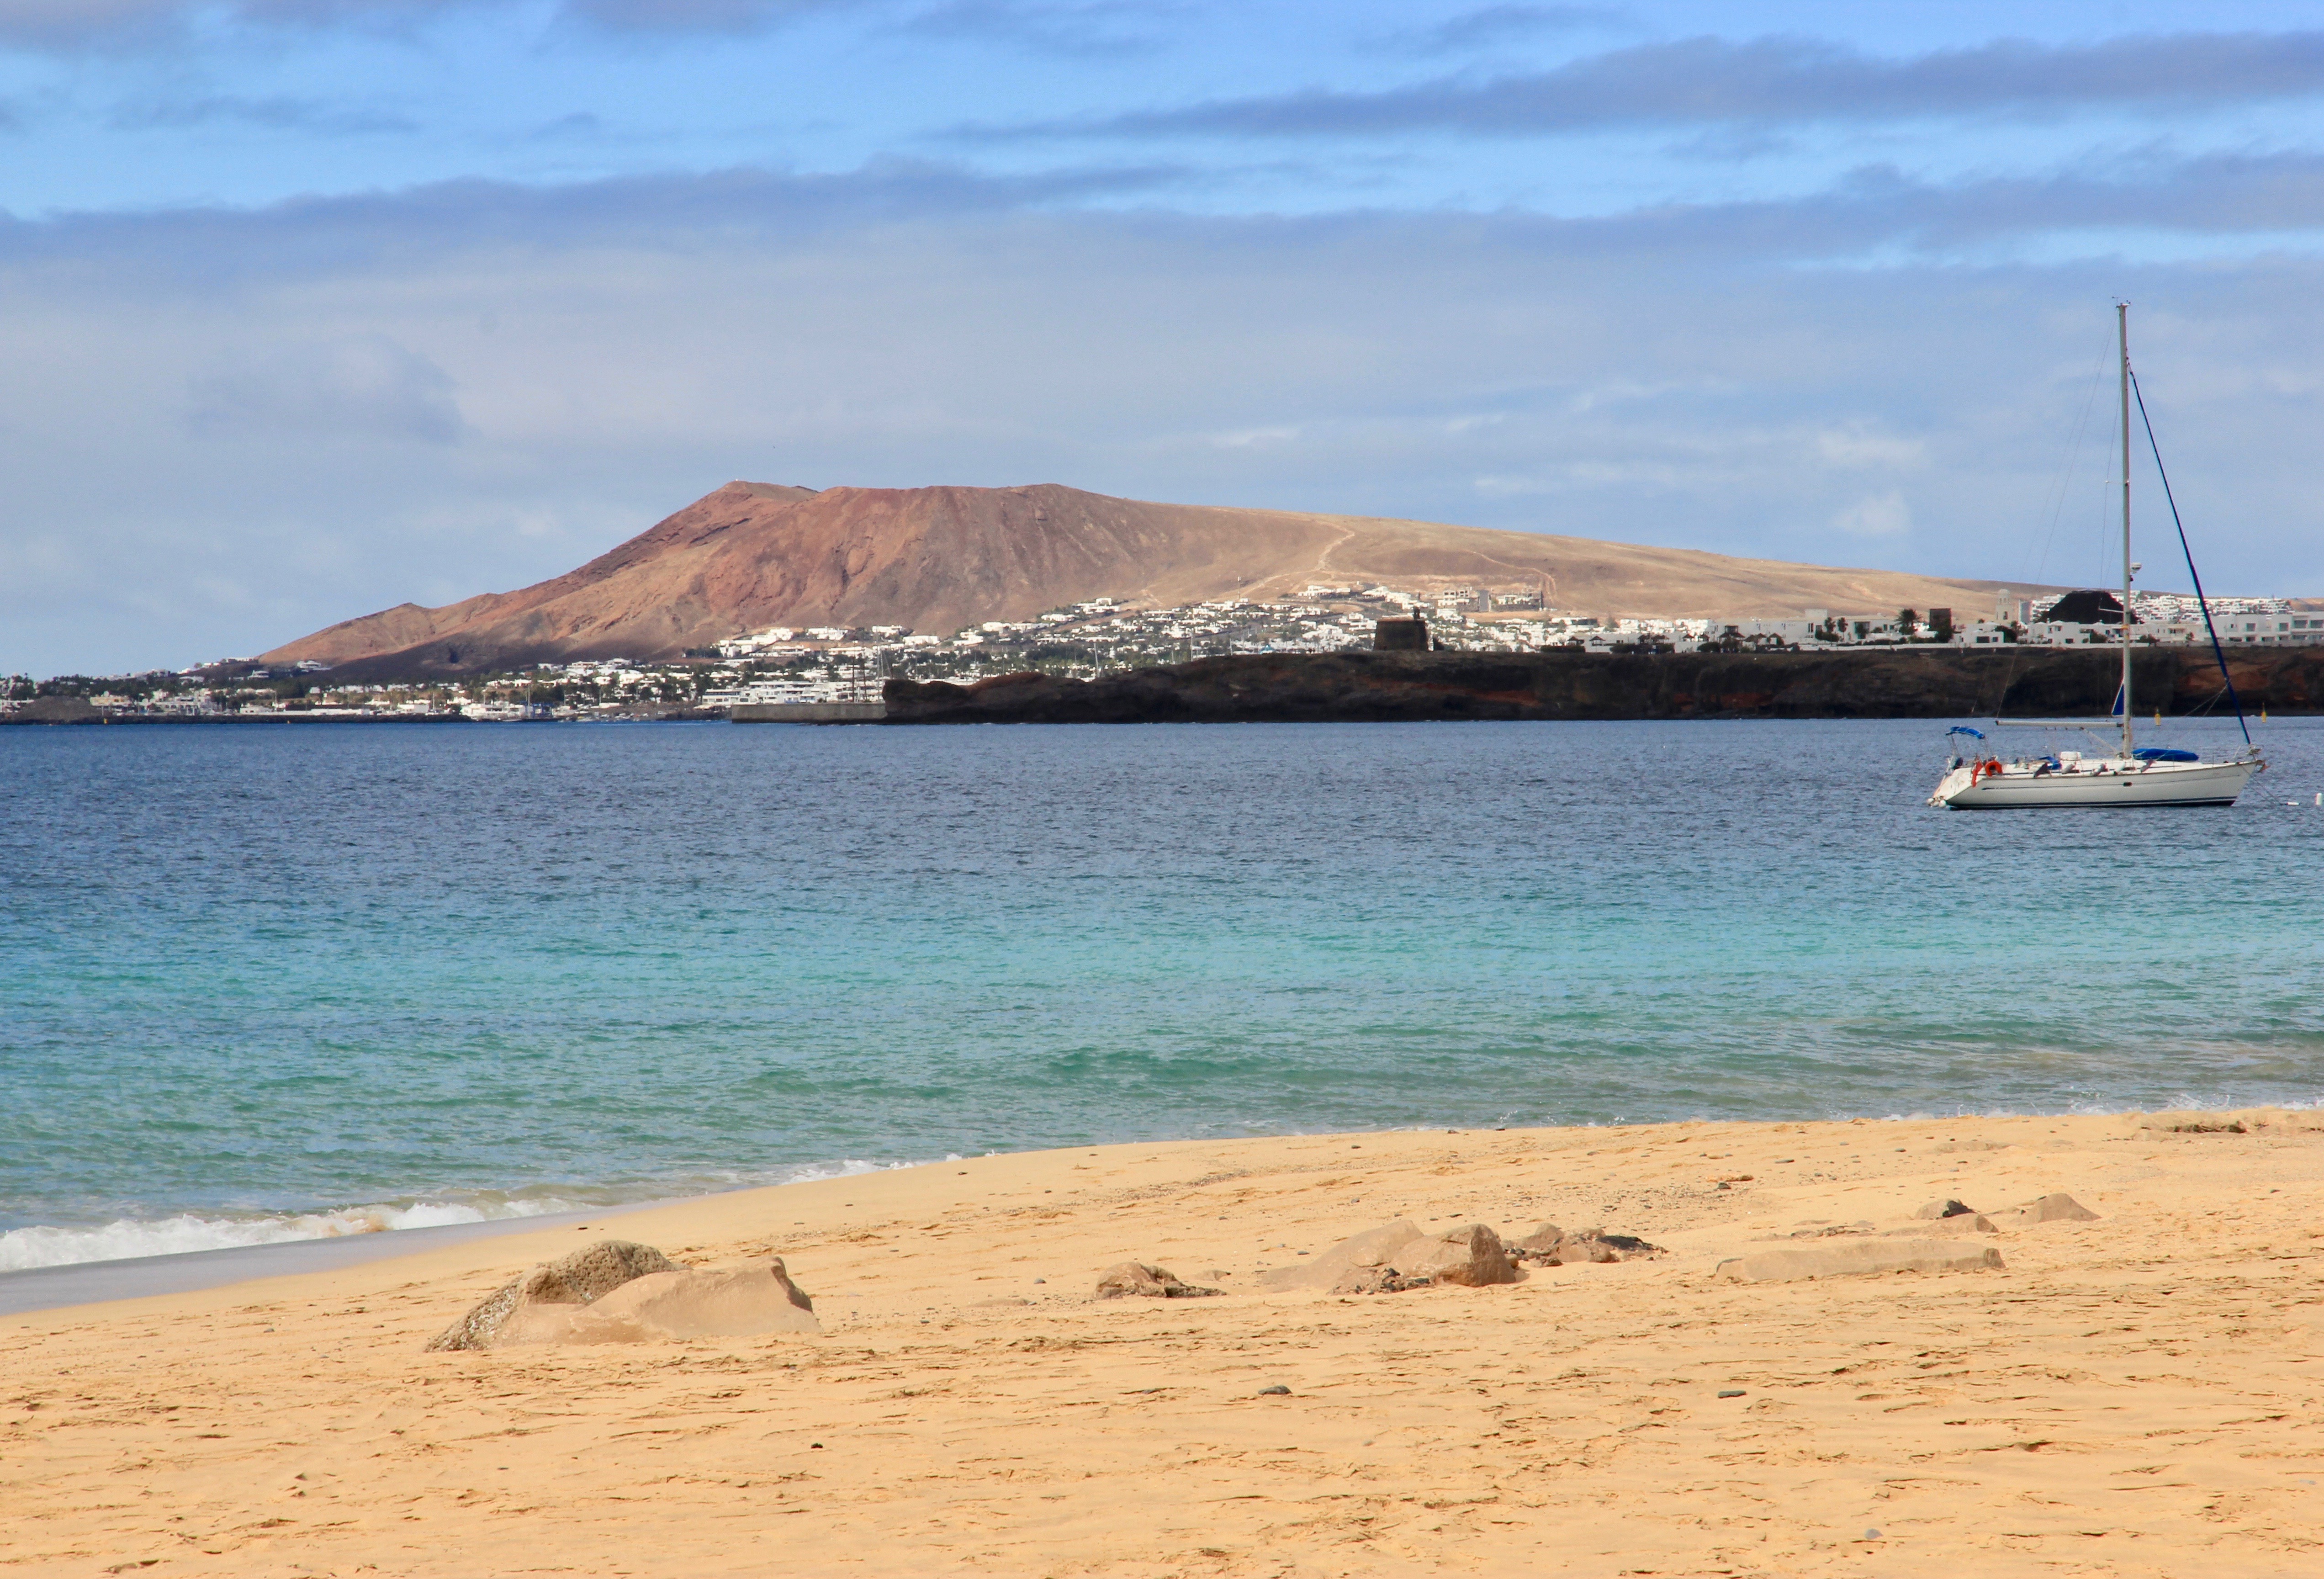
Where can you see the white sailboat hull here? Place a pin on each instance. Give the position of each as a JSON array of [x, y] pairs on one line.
[[2110, 782], [2126, 778]]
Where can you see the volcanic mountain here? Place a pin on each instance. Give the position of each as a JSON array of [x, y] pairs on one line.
[[753, 555]]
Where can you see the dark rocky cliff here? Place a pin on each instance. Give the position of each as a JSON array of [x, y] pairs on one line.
[[1905, 683]]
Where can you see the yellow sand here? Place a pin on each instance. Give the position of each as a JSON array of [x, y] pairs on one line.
[[2139, 1395]]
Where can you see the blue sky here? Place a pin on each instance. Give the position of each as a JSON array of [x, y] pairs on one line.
[[315, 306]]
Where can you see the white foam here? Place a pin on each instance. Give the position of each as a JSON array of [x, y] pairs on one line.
[[43, 1246]]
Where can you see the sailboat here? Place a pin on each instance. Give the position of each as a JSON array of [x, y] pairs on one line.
[[2133, 775]]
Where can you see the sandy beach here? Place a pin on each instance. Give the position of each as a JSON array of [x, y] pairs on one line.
[[2134, 1395]]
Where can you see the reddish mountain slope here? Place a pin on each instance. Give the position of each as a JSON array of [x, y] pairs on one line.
[[753, 555]]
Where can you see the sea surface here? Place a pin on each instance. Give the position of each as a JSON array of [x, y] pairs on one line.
[[271, 982]]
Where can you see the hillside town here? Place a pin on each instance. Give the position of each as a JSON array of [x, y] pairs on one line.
[[821, 664]]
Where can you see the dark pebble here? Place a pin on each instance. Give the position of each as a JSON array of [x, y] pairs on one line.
[[1275, 1392]]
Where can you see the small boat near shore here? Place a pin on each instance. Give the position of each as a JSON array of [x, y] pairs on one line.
[[2132, 775]]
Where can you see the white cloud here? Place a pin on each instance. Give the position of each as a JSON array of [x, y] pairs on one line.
[[1858, 445], [1249, 438], [1876, 515], [1766, 81], [80, 24], [367, 387], [272, 400]]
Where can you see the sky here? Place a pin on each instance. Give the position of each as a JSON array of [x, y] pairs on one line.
[[309, 307]]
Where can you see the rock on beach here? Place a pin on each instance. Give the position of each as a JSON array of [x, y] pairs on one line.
[[1558, 1247], [1471, 1256], [1136, 1280], [1401, 1255], [585, 1276], [672, 1307], [620, 1292], [2057, 1207], [1373, 1250]]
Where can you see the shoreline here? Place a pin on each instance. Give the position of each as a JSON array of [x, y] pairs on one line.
[[2128, 1393], [680, 715], [1551, 685], [27, 1289], [1444, 686]]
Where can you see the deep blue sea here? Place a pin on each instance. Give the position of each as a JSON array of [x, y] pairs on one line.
[[272, 980]]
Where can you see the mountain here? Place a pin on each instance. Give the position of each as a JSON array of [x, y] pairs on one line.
[[753, 555]]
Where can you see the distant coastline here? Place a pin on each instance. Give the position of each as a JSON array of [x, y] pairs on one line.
[[86, 714], [1411, 687], [1360, 687]]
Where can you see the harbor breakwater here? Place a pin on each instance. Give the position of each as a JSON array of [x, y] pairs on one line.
[[1933, 682]]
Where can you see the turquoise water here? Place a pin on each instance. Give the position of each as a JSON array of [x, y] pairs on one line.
[[268, 981]]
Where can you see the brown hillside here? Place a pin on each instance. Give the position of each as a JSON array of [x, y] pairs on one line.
[[753, 555]]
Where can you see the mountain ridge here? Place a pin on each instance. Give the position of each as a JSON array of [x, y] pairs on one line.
[[753, 555]]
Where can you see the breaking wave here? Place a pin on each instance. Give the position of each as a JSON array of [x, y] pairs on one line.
[[22, 1249]]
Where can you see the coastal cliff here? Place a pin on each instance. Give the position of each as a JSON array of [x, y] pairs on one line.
[[1932, 682]]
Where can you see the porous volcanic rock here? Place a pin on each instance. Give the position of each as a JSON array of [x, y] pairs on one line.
[[1556, 1247], [674, 1305], [1136, 1280], [587, 1275]]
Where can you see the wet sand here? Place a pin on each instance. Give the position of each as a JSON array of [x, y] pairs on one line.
[[2136, 1395]]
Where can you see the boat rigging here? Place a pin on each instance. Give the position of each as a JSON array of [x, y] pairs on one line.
[[2133, 775]]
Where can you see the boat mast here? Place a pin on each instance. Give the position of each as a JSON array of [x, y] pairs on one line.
[[2122, 325]]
